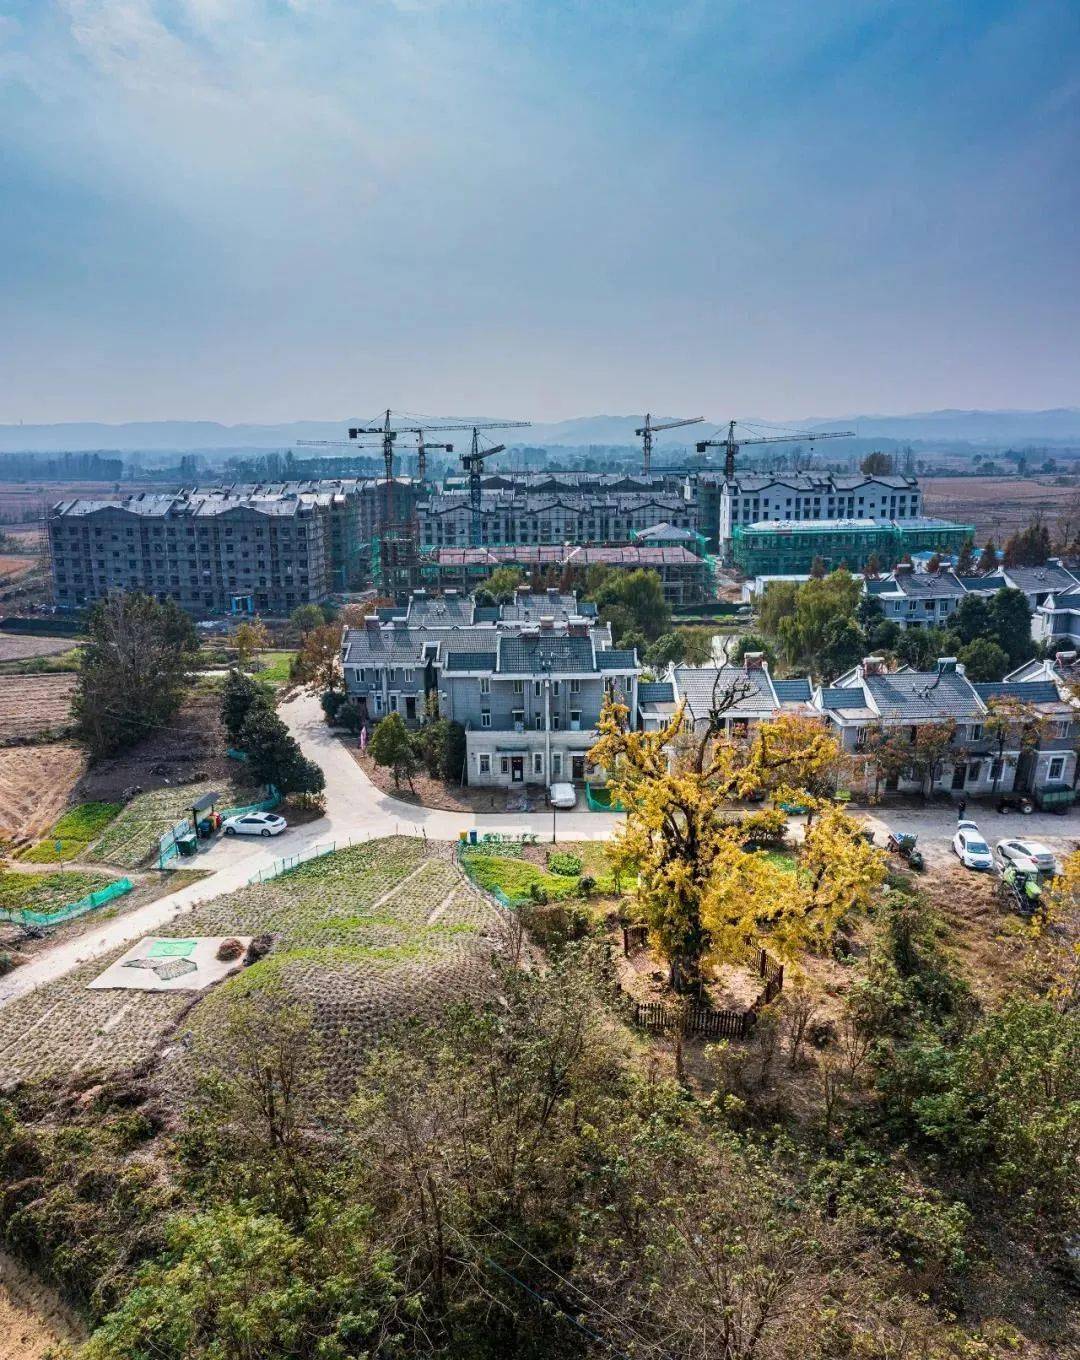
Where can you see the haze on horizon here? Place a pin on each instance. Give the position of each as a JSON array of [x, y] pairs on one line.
[[262, 210]]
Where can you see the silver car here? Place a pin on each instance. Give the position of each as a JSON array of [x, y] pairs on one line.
[[1024, 853]]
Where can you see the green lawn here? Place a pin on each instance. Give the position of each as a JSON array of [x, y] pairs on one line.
[[75, 830], [47, 892], [43, 665], [780, 859], [272, 667], [515, 878]]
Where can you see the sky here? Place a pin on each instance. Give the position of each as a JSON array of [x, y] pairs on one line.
[[266, 210]]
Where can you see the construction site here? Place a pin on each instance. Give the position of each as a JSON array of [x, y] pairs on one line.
[[267, 548]]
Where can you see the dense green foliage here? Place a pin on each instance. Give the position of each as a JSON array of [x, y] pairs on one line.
[[632, 602], [133, 672], [75, 830], [274, 756]]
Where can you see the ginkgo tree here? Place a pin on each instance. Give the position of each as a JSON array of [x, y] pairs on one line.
[[703, 895]]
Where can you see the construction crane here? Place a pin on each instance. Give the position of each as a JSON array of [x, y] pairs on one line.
[[473, 464], [645, 434], [421, 455], [731, 445]]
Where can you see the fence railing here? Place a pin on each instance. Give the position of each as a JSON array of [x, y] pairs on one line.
[[24, 916], [600, 800], [694, 1018]]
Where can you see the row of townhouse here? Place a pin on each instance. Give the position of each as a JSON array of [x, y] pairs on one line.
[[871, 699], [684, 576], [526, 680], [917, 599]]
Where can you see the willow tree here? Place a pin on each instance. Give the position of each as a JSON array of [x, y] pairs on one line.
[[700, 892]]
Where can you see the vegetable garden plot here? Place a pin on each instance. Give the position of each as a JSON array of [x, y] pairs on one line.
[[133, 835], [364, 937]]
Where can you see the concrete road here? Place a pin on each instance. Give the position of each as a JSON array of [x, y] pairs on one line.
[[355, 811]]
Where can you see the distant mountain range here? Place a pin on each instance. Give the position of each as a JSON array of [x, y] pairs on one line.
[[983, 428]]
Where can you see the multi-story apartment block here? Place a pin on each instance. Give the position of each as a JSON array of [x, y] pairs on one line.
[[797, 497], [218, 549], [524, 518]]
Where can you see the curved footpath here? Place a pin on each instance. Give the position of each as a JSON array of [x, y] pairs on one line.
[[355, 811]]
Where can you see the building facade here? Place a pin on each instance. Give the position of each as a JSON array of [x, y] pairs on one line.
[[790, 547]]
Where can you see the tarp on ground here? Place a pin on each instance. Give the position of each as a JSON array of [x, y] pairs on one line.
[[164, 964]]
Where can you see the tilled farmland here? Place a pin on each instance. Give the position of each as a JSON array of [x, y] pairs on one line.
[[364, 938], [35, 785], [32, 705]]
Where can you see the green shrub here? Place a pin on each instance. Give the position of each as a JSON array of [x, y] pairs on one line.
[[559, 862]]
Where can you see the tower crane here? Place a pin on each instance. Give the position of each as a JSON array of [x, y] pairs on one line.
[[731, 445], [473, 464], [649, 429]]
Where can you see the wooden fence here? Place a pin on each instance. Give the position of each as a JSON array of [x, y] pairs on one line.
[[694, 1018]]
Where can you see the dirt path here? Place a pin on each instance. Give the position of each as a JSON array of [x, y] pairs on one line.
[[33, 1320]]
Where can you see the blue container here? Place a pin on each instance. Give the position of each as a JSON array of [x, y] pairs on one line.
[[472, 836]]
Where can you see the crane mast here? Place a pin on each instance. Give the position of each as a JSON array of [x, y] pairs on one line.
[[646, 432]]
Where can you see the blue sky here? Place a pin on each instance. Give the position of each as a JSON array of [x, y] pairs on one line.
[[275, 209]]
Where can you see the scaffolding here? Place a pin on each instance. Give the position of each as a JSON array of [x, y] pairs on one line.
[[791, 547]]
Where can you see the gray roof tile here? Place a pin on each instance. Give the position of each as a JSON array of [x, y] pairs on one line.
[[793, 691], [616, 659], [923, 694], [536, 653], [656, 692], [698, 684]]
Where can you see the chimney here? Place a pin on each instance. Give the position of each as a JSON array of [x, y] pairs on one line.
[[1053, 561], [372, 623], [547, 622], [552, 592], [903, 568], [1065, 661], [872, 665], [754, 661], [578, 628], [420, 594]]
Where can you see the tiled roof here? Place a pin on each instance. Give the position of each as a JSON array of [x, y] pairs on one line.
[[656, 692], [1030, 692], [1037, 579], [923, 694], [927, 584], [793, 691], [393, 646], [992, 581], [537, 653], [615, 659], [698, 684], [441, 610], [852, 696], [470, 661]]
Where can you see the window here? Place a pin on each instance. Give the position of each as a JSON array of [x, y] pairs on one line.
[[575, 719], [393, 703], [539, 722], [537, 688], [1057, 768], [483, 762], [575, 686], [538, 762], [406, 677], [1060, 727], [485, 718], [555, 688], [976, 731], [505, 765], [518, 716], [555, 722], [485, 684], [360, 676], [378, 702], [556, 764], [519, 686]]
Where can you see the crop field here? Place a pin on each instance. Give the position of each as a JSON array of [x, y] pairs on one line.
[[21, 647], [35, 784], [997, 506], [47, 892], [31, 705], [72, 833], [132, 836], [364, 938]]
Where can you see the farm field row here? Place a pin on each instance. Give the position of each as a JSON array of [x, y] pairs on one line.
[[31, 705], [35, 785], [364, 938]]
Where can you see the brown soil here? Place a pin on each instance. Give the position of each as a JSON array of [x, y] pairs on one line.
[[33, 704], [33, 1320], [190, 748], [36, 784], [16, 647], [997, 506]]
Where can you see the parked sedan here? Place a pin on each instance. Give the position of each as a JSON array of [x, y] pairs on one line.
[[1025, 853], [562, 796], [973, 851], [255, 824]]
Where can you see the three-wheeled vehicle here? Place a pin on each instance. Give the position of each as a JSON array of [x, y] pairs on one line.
[[1022, 889], [904, 844]]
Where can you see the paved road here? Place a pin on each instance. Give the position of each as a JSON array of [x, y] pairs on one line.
[[355, 811]]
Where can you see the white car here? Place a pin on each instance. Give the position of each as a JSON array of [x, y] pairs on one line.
[[254, 824], [969, 845], [562, 796], [1026, 855]]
